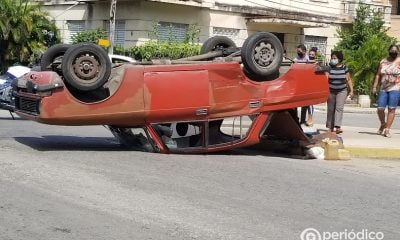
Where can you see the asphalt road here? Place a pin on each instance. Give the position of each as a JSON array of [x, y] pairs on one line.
[[76, 183]]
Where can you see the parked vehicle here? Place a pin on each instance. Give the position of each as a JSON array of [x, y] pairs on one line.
[[121, 59], [6, 98], [185, 105]]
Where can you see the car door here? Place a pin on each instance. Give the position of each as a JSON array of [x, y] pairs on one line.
[[173, 94]]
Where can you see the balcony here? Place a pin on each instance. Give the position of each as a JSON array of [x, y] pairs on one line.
[[348, 10]]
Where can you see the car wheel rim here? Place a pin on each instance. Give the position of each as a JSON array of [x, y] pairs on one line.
[[264, 54], [86, 67]]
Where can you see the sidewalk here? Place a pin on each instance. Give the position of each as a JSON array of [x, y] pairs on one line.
[[349, 108], [362, 141], [365, 142]]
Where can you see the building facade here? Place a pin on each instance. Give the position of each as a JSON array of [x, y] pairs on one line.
[[312, 22], [394, 29]]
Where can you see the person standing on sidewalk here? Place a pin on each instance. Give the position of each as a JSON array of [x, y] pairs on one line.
[[388, 76], [339, 84], [302, 57], [309, 110]]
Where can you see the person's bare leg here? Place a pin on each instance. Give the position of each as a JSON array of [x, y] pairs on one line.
[[310, 120], [381, 116], [390, 119]]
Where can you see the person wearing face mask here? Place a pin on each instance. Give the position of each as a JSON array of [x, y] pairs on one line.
[[301, 56], [389, 94], [340, 85], [312, 54], [309, 110]]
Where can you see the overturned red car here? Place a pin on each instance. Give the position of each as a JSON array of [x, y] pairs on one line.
[[232, 99]]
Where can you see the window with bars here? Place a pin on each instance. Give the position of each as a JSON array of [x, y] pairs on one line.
[[318, 42], [119, 36], [75, 26], [175, 32], [231, 33]]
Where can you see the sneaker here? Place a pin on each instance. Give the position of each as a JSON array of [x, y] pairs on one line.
[[381, 128], [386, 132]]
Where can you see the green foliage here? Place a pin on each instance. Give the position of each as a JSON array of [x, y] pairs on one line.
[[90, 36], [364, 45], [365, 61], [368, 22], [25, 31], [120, 50], [320, 58], [192, 34], [170, 50]]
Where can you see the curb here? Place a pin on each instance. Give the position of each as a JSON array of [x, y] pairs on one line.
[[375, 153], [355, 110]]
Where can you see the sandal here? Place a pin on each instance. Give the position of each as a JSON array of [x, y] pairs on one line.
[[309, 124], [386, 132], [381, 129], [339, 131]]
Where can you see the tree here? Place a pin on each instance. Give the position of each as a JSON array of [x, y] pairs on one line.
[[364, 45], [365, 61], [25, 31]]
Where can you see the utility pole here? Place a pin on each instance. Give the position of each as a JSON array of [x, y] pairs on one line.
[[113, 9]]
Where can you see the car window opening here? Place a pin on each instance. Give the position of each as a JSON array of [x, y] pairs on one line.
[[177, 135]]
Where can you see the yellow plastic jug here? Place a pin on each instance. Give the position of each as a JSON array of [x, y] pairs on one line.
[[331, 149]]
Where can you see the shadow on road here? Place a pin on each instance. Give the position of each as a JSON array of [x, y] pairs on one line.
[[10, 118], [368, 133], [272, 149], [75, 143], [70, 143]]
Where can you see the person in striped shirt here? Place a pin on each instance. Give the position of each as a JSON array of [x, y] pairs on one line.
[[340, 86]]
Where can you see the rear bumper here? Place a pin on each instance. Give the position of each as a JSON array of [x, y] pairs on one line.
[[30, 89]]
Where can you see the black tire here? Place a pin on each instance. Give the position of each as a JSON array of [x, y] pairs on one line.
[[262, 55], [52, 58], [86, 66], [216, 43], [259, 78]]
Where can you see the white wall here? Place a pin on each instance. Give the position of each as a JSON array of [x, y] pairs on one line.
[[140, 17], [325, 7]]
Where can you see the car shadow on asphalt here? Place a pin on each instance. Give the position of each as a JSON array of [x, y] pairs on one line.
[[70, 143], [75, 143], [256, 150], [15, 118]]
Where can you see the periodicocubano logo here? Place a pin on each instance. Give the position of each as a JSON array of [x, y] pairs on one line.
[[364, 234]]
